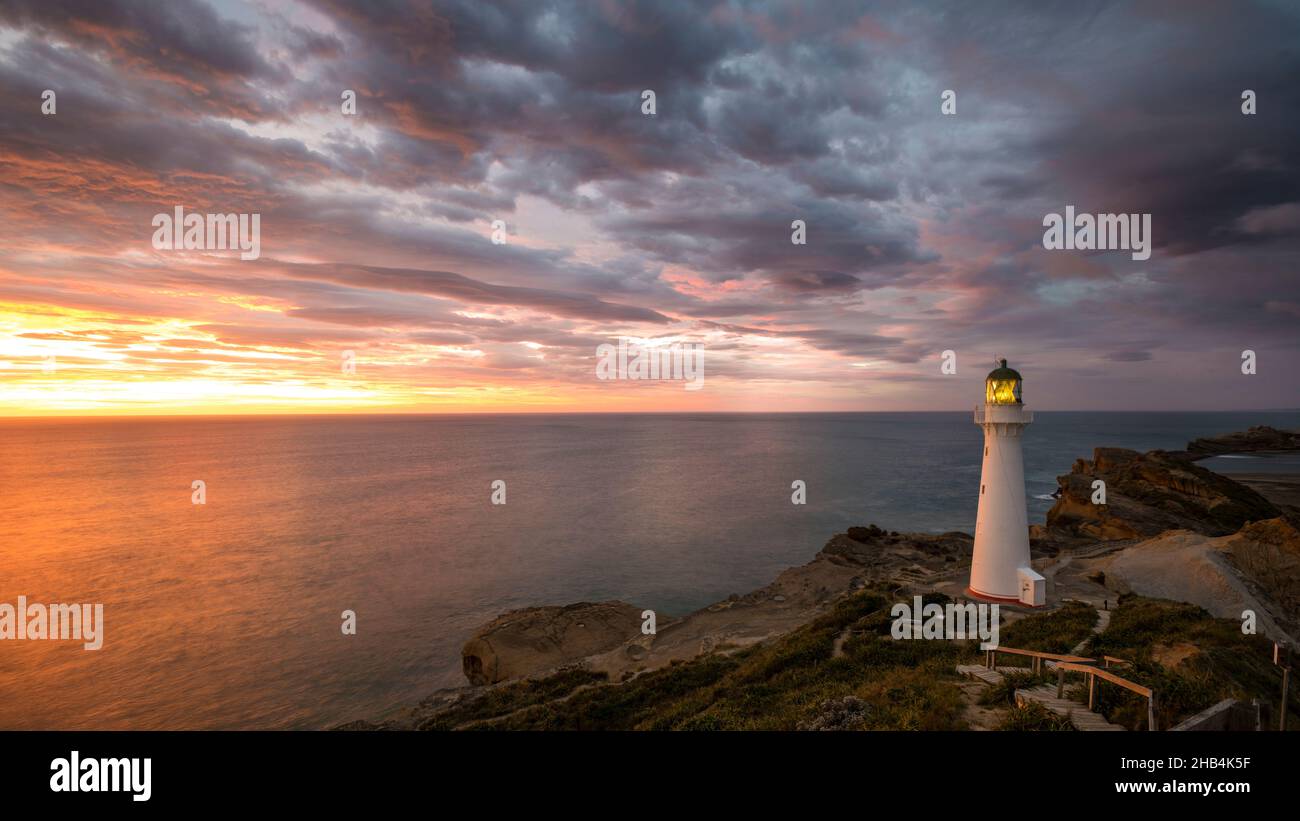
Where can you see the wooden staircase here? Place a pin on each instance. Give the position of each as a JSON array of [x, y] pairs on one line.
[[1052, 698], [1076, 713], [981, 673]]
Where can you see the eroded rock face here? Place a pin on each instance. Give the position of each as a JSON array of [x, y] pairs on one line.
[[1149, 493], [535, 639], [1267, 553], [1259, 438], [1256, 569]]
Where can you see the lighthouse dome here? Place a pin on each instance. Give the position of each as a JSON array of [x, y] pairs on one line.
[[1002, 386]]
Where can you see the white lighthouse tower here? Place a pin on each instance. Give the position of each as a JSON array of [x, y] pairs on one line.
[[1000, 569]]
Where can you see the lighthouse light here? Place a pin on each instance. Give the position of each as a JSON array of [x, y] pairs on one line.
[[1002, 391], [1002, 387]]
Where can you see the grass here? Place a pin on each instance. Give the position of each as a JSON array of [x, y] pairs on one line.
[[1056, 632], [1034, 717], [514, 696], [1003, 694], [778, 686], [880, 683]]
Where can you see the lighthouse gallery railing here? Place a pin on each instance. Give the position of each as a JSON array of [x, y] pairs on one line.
[[1025, 416]]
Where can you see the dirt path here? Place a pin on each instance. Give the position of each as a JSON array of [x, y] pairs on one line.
[[837, 648], [1103, 621], [978, 716]]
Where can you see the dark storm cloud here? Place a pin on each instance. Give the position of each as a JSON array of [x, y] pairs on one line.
[[1142, 109], [119, 142], [842, 240], [180, 56], [181, 38], [602, 46]]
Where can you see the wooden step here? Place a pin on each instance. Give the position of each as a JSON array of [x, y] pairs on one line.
[[1080, 716], [980, 672]]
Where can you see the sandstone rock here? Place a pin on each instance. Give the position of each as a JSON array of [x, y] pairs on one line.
[[535, 639], [1267, 553], [1147, 494]]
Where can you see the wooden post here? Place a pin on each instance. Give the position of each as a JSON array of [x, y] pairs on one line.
[[1092, 690], [1286, 683], [1282, 658], [1151, 713], [1060, 682]]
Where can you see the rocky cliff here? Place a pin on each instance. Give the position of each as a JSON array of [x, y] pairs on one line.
[[1251, 440], [1149, 493]]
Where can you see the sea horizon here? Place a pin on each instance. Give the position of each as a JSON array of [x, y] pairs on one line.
[[368, 413]]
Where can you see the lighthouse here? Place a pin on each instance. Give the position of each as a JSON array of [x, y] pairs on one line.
[[1000, 569]]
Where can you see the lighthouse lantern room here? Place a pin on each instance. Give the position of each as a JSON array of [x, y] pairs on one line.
[[1000, 569]]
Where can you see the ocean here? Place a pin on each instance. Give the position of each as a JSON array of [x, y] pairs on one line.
[[228, 614]]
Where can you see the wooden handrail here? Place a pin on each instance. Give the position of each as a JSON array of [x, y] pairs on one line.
[[1040, 654], [1093, 674], [1102, 672], [991, 657]]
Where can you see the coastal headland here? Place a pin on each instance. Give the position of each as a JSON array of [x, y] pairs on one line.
[[1174, 543]]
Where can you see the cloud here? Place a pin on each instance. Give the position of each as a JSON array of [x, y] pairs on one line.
[[1128, 356], [924, 230]]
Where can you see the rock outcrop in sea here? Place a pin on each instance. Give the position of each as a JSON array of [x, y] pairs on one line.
[[1261, 438], [522, 642]]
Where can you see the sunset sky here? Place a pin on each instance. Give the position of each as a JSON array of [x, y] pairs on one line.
[[924, 230]]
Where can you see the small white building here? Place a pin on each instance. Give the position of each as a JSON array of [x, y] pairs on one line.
[[1000, 569]]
